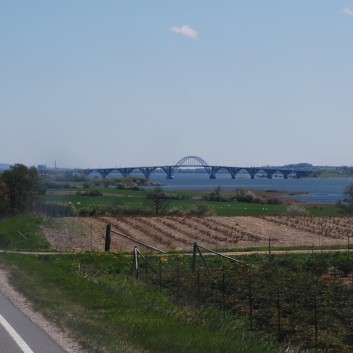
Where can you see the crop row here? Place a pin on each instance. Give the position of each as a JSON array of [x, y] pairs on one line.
[[332, 227], [181, 232]]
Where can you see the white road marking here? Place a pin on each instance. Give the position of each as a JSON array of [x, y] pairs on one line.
[[16, 337]]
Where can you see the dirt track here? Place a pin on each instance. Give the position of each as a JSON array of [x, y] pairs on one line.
[[177, 233]]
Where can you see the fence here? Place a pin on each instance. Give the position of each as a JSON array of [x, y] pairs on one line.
[[52, 209], [312, 309]]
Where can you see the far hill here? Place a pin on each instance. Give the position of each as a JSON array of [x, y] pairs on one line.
[[299, 166]]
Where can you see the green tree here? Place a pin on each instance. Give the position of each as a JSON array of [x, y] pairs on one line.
[[348, 193], [347, 203], [19, 186], [2, 197]]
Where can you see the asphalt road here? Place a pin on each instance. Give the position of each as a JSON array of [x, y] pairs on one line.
[[18, 334]]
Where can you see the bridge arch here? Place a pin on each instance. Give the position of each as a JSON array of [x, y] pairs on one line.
[[192, 161]]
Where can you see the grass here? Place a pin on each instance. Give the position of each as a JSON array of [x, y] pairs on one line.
[[109, 312], [130, 198], [92, 296], [22, 232]]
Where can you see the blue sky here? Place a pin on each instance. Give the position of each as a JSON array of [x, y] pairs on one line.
[[126, 83]]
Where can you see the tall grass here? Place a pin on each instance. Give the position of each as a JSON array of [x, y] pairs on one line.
[[22, 232]]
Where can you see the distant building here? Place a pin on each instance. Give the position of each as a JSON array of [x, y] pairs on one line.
[[42, 167]]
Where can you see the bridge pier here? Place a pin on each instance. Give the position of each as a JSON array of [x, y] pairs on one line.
[[104, 173], [147, 171], [232, 171], [252, 172], [212, 172], [169, 171], [270, 173], [125, 172]]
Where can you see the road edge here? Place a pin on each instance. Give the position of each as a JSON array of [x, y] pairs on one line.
[[61, 337]]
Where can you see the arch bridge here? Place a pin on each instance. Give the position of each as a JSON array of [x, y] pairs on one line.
[[198, 162]]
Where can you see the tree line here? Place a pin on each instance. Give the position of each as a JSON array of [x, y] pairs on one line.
[[18, 187]]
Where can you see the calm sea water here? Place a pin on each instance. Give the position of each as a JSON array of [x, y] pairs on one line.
[[317, 190]]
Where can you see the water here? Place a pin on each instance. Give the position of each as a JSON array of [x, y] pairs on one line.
[[315, 190]]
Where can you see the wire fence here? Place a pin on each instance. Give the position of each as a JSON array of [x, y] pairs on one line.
[[53, 209], [306, 307]]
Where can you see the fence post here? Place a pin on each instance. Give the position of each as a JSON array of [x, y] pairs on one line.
[[316, 325], [146, 263], [251, 305], [194, 257], [107, 238], [348, 246], [224, 294], [178, 280], [135, 264], [160, 274], [279, 316], [198, 288]]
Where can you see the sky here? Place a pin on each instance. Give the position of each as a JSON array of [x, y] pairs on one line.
[[117, 83]]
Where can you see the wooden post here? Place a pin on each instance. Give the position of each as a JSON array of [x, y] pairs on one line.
[[316, 325], [250, 305], [146, 263], [224, 294], [136, 263], [198, 288], [279, 317], [194, 257], [197, 249], [178, 283], [348, 245], [160, 274], [107, 238]]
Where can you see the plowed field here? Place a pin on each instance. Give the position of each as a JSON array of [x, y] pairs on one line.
[[176, 233]]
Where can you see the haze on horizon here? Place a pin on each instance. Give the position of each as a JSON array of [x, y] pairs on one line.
[[93, 84]]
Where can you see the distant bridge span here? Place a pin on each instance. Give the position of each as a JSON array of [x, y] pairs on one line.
[[197, 162]]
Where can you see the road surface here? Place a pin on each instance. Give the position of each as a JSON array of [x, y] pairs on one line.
[[18, 334]]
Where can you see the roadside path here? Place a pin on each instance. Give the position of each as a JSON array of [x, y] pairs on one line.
[[18, 334], [226, 253]]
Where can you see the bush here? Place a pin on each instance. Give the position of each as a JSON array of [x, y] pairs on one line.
[[175, 211], [294, 211], [115, 211], [273, 202], [199, 210], [246, 196], [94, 193]]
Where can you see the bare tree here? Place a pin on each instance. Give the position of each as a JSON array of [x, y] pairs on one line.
[[158, 199]]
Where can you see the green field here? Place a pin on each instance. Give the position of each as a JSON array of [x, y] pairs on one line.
[[117, 198]]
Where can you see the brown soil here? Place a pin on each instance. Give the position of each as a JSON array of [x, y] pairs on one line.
[[178, 233]]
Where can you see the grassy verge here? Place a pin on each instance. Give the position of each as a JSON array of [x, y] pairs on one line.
[[109, 312], [22, 233]]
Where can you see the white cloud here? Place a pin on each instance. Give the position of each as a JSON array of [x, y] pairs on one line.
[[185, 31], [347, 11]]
